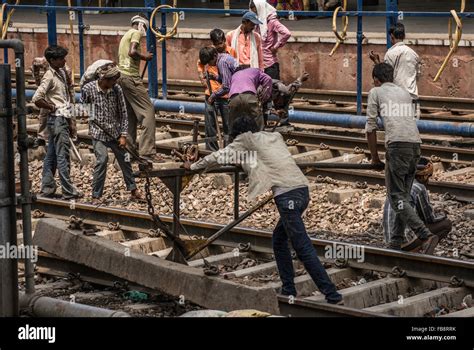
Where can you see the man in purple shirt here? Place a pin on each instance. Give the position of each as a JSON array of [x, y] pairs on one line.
[[274, 35], [217, 100], [249, 89]]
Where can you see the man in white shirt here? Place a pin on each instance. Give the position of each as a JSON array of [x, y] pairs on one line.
[[264, 156], [405, 63]]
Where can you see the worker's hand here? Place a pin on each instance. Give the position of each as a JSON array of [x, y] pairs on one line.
[[280, 113], [374, 57], [378, 164], [213, 77], [210, 100], [274, 50], [52, 107], [203, 81], [148, 56], [187, 165], [73, 131], [122, 142], [304, 77]]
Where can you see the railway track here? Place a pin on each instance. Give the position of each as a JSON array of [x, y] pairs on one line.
[[436, 108], [329, 145], [374, 282]]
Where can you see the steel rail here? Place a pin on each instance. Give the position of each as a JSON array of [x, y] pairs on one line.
[[379, 259], [447, 154]]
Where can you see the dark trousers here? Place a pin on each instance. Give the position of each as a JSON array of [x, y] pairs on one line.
[[221, 105], [57, 157], [441, 228], [273, 71], [246, 103], [100, 170], [291, 206], [400, 168]]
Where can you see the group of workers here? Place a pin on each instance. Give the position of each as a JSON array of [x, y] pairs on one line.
[[241, 74]]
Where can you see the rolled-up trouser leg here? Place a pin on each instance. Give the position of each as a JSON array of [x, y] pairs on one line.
[[441, 228], [144, 111]]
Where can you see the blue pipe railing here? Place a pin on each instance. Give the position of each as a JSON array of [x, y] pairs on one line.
[[392, 6], [341, 120], [51, 16], [297, 116], [164, 77], [360, 35], [391, 14], [152, 65], [330, 119], [80, 23]]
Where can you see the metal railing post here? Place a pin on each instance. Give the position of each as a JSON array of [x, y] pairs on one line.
[[81, 28], [151, 47], [5, 52], [391, 5], [51, 15], [164, 79], [8, 264], [359, 56]]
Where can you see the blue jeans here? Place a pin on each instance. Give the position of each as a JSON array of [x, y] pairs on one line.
[[222, 107], [57, 157], [291, 206], [100, 170]]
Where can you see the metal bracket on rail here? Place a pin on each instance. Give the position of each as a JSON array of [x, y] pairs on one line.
[[456, 282], [345, 22], [453, 43], [341, 263], [398, 272]]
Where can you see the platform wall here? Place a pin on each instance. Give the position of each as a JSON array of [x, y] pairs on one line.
[[331, 73]]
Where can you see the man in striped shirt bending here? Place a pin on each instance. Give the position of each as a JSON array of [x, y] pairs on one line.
[[108, 126]]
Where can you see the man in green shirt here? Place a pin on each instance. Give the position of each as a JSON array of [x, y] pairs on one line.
[[139, 107]]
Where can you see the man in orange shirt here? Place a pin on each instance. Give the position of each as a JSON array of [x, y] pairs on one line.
[[247, 43], [219, 104]]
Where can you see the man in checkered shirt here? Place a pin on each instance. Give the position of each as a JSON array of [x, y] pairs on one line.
[[108, 126]]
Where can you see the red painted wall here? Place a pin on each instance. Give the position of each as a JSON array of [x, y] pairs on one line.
[[331, 73]]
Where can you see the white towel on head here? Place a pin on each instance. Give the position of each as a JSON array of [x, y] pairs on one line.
[[264, 9], [253, 47]]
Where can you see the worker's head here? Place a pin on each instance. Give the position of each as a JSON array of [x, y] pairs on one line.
[[208, 55], [382, 73], [140, 23], [56, 56], [397, 33], [424, 171], [108, 76], [244, 124], [218, 40], [249, 21]]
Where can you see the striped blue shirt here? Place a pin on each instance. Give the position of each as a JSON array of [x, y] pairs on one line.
[[420, 201], [226, 65]]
